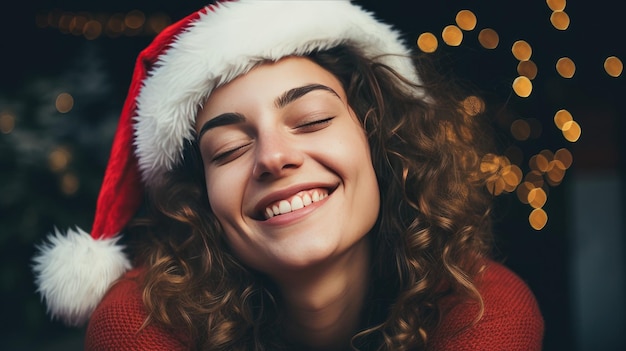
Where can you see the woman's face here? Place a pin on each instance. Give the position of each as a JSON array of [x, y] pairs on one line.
[[288, 168]]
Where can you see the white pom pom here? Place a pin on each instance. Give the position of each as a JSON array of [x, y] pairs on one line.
[[74, 271]]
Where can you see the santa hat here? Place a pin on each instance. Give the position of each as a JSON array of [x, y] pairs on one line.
[[173, 76]]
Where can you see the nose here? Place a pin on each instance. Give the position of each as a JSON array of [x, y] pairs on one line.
[[276, 155]]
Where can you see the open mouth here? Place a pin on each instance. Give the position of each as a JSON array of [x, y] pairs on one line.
[[294, 203]]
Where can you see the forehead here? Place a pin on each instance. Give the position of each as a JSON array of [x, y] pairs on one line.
[[267, 81]]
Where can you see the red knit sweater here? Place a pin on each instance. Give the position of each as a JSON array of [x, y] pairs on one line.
[[511, 320]]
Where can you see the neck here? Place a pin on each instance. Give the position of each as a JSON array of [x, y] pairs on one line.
[[323, 304]]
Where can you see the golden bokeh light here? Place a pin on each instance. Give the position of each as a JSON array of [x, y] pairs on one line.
[[527, 69], [555, 173], [512, 176], [537, 197], [59, 159], [522, 86], [64, 22], [466, 20], [556, 5], [64, 103], [571, 131], [613, 66], [134, 19], [539, 163], [452, 35], [92, 30], [520, 129], [77, 24], [561, 117], [94, 25], [490, 163], [565, 157], [427, 42], [488, 38], [523, 190], [566, 67], [473, 105], [115, 25], [7, 122], [549, 155], [560, 20], [535, 178], [69, 184], [502, 175], [538, 219], [521, 50]]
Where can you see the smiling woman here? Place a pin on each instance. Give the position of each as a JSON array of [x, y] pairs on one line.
[[309, 185]]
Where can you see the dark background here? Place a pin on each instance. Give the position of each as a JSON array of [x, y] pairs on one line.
[[40, 62]]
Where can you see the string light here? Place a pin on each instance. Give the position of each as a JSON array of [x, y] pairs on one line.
[[94, 25], [547, 168]]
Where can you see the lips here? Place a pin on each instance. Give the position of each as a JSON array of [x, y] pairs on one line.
[[290, 199], [295, 202]]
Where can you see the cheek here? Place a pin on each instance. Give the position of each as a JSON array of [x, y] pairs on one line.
[[224, 191]]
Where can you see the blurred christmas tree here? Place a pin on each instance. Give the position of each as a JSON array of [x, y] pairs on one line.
[[56, 133]]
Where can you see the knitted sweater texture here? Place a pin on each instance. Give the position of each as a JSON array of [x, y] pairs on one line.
[[511, 320]]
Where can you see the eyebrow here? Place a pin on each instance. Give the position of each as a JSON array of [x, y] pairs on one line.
[[293, 94], [283, 100], [224, 119]]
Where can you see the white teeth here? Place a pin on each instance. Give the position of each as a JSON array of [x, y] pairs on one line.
[[306, 200], [316, 196], [284, 206], [297, 202]]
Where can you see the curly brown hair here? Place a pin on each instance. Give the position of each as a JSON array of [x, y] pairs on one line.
[[432, 231]]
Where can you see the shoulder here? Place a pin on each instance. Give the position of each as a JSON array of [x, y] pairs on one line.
[[117, 323], [511, 319]]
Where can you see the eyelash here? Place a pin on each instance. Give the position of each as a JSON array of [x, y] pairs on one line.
[[315, 124], [221, 156]]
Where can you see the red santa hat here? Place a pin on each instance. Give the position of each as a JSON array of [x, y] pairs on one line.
[[173, 76]]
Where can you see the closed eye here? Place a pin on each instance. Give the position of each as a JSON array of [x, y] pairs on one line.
[[315, 125], [230, 154]]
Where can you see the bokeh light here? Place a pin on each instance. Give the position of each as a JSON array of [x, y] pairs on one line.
[[466, 20], [488, 38], [556, 5], [522, 86], [473, 105], [566, 67], [527, 69], [520, 129], [59, 159], [64, 103], [7, 122], [452, 35], [427, 42], [561, 117], [571, 131], [613, 66], [560, 20], [521, 50], [537, 197], [69, 184], [538, 219]]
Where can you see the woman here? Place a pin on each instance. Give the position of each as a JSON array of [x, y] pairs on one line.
[[307, 187]]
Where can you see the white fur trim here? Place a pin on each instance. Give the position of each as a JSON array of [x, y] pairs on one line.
[[227, 42], [74, 271]]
